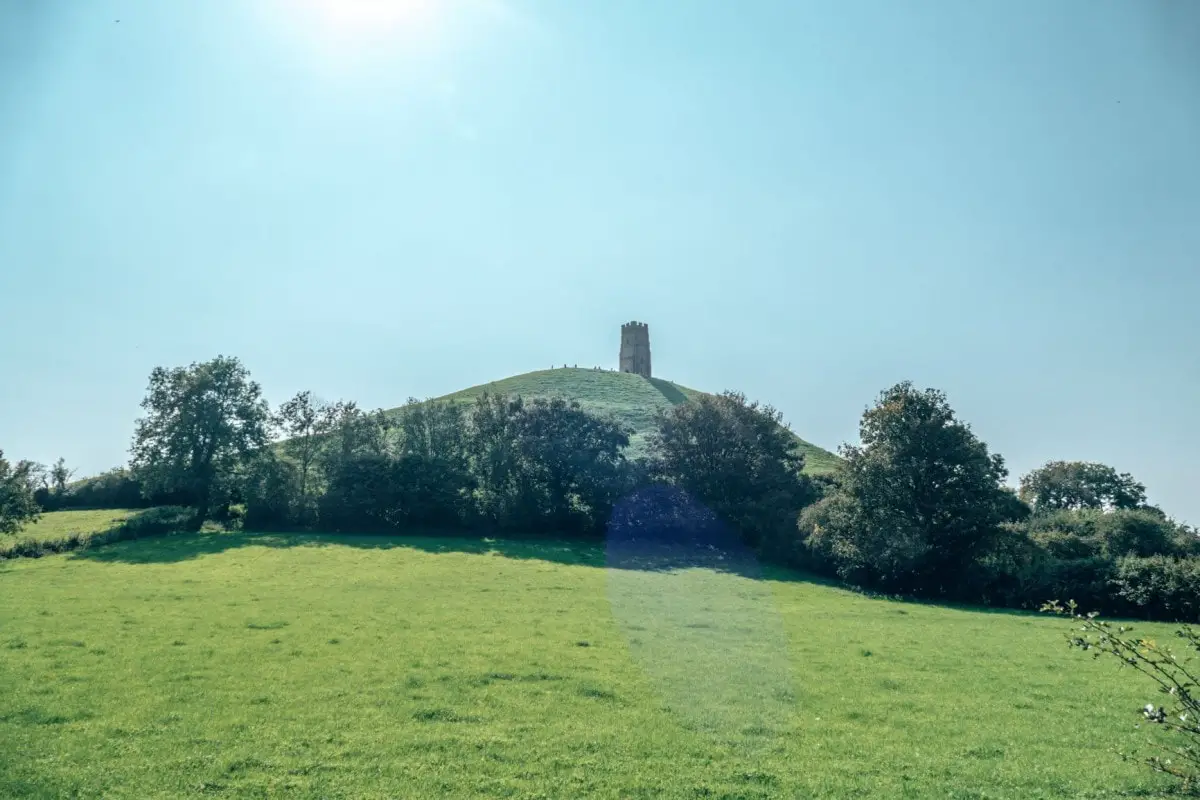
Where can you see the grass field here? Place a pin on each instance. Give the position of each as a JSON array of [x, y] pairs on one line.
[[630, 399], [247, 665], [57, 524]]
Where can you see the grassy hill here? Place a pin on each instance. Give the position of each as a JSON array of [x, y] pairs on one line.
[[630, 399], [317, 666]]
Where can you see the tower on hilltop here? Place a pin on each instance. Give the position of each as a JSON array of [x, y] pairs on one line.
[[635, 348]]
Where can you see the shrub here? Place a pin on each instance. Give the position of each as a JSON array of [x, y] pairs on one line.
[[1160, 587], [116, 488], [1140, 532], [270, 491]]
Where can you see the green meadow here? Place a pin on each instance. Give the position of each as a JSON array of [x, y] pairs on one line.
[[61, 524], [244, 665]]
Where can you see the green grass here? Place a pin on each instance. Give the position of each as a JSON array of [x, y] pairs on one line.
[[310, 666], [60, 524], [630, 399]]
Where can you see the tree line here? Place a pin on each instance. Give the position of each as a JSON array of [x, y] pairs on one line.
[[919, 507]]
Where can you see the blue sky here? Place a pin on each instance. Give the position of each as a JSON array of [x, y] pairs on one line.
[[806, 201]]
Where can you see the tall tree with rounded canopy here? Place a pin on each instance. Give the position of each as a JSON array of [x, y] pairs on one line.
[[201, 421], [1074, 485], [740, 459], [919, 499]]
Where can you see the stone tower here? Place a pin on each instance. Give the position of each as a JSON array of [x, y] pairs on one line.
[[635, 348]]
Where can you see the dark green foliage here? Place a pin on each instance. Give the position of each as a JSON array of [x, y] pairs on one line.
[[305, 422], [571, 464], [384, 473], [920, 500], [1081, 484], [1132, 563], [17, 502], [495, 460], [740, 459], [360, 495], [545, 464], [1159, 587], [115, 488], [381, 493], [201, 421], [1139, 532], [271, 490], [542, 465]]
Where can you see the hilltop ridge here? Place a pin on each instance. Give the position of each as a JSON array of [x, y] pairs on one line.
[[628, 398]]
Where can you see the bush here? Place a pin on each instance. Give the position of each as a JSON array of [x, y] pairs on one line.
[[116, 488], [270, 491], [1160, 587], [380, 493], [1139, 532]]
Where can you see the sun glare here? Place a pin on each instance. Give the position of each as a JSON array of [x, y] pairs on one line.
[[346, 34], [371, 17]]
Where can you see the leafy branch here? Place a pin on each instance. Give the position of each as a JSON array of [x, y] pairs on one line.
[[1176, 678]]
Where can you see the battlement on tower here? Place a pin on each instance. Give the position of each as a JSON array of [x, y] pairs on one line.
[[635, 348]]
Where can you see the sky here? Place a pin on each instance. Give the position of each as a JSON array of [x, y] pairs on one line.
[[807, 201]]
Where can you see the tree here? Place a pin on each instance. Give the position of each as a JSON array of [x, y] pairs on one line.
[[544, 463], [431, 476], [572, 460], [354, 432], [741, 460], [493, 456], [17, 503], [60, 476], [270, 489], [306, 422], [1075, 485], [201, 421], [919, 499]]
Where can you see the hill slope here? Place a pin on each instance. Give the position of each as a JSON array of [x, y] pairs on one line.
[[630, 399]]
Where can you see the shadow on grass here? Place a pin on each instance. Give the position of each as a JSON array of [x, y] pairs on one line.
[[656, 529], [668, 390], [187, 546], [660, 529], [652, 558], [644, 555]]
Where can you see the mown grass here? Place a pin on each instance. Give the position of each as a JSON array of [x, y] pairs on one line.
[[247, 665], [630, 399]]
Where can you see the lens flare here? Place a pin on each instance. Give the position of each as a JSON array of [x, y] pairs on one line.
[[700, 621]]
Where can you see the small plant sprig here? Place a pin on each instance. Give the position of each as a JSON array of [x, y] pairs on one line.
[[1176, 677]]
